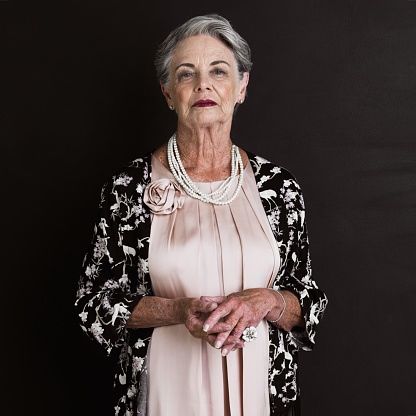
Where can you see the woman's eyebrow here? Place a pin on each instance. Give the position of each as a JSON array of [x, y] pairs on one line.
[[185, 64], [219, 62]]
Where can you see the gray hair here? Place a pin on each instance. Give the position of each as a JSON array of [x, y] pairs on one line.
[[211, 25]]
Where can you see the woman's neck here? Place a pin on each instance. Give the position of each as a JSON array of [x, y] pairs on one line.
[[204, 149], [205, 153]]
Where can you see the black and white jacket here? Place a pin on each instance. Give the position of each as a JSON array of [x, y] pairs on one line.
[[116, 276]]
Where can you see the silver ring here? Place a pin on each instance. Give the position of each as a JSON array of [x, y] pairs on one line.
[[249, 334]]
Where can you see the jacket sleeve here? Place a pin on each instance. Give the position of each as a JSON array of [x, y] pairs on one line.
[[297, 271], [114, 277]]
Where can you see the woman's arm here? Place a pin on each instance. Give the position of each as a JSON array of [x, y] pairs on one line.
[[292, 315], [285, 209], [154, 311], [248, 308]]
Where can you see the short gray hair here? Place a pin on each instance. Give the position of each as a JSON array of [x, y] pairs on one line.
[[211, 25]]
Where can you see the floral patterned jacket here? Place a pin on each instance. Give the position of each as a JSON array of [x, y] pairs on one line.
[[116, 276]]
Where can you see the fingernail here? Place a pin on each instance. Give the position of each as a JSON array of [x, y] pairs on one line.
[[218, 344], [224, 353], [205, 328]]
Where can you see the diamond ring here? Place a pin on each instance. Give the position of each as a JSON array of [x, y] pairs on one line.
[[249, 334]]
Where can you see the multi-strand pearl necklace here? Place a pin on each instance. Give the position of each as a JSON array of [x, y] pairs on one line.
[[179, 173]]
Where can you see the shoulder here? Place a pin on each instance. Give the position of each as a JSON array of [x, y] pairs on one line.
[[122, 195], [138, 169], [132, 177], [265, 171], [277, 186]]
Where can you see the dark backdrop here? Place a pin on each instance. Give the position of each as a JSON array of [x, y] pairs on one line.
[[331, 98]]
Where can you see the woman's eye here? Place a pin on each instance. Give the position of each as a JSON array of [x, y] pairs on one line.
[[218, 71], [185, 75]]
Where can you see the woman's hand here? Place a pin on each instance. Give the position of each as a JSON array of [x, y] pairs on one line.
[[241, 310], [154, 311], [194, 312]]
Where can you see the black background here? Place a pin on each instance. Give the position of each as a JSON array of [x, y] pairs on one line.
[[331, 97]]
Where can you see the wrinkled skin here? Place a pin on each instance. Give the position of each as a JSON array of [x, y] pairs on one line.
[[240, 310], [198, 311]]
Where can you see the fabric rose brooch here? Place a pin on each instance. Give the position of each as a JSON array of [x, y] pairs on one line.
[[163, 196]]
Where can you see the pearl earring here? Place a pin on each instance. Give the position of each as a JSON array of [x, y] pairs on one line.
[[241, 101], [171, 107]]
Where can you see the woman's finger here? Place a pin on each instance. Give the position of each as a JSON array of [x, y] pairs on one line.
[[233, 318], [204, 306], [220, 327], [223, 310], [225, 350], [239, 343], [238, 330], [211, 339], [216, 299], [221, 339]]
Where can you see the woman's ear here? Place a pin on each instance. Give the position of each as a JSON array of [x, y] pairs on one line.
[[243, 86], [166, 93]]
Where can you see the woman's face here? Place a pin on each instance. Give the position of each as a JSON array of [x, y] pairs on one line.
[[204, 85]]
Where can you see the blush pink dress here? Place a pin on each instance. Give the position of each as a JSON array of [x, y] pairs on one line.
[[204, 249]]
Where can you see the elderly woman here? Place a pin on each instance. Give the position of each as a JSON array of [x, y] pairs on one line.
[[200, 248]]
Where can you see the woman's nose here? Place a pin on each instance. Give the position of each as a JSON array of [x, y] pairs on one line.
[[202, 83]]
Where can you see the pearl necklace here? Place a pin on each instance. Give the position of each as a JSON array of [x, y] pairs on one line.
[[179, 173]]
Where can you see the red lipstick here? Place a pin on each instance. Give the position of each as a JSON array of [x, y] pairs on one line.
[[204, 103]]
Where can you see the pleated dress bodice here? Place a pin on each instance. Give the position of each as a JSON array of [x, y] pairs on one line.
[[204, 249]]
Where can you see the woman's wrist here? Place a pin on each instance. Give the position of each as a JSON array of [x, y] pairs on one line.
[[278, 308], [180, 306]]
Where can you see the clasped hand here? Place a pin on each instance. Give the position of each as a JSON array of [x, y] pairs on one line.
[[221, 320]]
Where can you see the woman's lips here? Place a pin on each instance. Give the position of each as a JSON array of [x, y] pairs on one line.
[[204, 103]]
